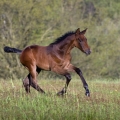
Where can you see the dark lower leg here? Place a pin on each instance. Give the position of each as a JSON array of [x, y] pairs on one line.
[[33, 83], [36, 86], [85, 85], [26, 84], [64, 90]]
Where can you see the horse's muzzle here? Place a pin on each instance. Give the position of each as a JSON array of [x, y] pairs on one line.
[[87, 52]]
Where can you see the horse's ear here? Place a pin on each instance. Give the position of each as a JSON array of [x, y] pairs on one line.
[[77, 31], [84, 31]]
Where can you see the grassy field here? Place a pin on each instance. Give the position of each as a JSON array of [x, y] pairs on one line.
[[104, 103]]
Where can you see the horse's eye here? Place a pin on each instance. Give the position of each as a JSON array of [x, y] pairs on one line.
[[79, 40]]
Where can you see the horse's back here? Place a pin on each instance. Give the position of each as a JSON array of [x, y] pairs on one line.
[[35, 55]]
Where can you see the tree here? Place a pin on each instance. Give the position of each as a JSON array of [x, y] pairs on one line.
[[27, 22]]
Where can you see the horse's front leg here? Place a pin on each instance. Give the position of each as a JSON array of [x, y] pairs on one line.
[[64, 90], [85, 85]]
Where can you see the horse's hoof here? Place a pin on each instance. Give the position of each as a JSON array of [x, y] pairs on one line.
[[60, 94], [87, 94]]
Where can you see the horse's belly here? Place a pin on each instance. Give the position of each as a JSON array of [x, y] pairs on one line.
[[43, 63]]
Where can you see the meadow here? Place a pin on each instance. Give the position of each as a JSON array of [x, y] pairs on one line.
[[103, 104]]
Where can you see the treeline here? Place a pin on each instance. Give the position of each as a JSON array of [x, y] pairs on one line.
[[26, 22]]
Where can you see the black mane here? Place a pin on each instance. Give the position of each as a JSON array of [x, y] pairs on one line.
[[60, 39]]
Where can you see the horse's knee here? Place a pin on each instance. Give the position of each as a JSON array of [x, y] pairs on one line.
[[78, 71], [68, 76]]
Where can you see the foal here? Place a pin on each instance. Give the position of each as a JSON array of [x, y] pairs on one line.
[[55, 57]]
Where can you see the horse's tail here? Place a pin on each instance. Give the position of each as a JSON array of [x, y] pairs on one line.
[[12, 50]]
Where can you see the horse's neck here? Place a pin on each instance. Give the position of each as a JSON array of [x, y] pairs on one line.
[[62, 48], [66, 46]]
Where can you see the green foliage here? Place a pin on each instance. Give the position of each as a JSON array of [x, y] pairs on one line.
[[27, 22]]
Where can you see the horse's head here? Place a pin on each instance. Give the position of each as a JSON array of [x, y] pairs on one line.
[[81, 41]]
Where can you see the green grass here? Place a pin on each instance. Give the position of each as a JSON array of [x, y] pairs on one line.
[[104, 103]]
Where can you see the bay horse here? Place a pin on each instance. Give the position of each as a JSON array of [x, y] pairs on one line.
[[55, 57]]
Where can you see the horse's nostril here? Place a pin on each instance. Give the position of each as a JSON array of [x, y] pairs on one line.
[[88, 52]]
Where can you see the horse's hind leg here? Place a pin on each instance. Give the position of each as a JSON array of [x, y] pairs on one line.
[[68, 79], [26, 83], [36, 86], [33, 81], [28, 79]]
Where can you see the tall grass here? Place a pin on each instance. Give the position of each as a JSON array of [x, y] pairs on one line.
[[104, 103]]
